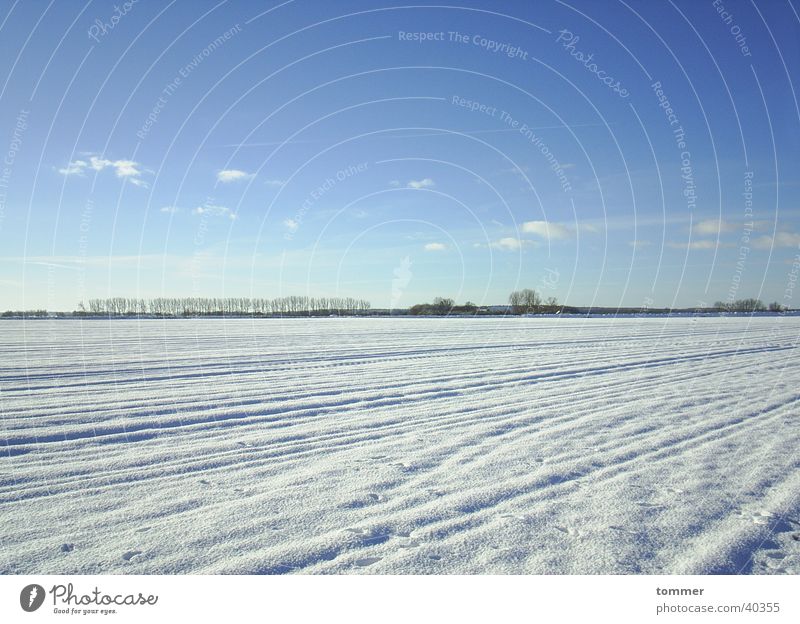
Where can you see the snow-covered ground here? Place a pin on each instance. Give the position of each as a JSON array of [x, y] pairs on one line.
[[344, 445]]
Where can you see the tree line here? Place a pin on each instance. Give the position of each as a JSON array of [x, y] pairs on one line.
[[442, 306], [526, 301], [292, 305], [747, 305]]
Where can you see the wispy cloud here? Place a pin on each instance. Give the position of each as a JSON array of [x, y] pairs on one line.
[[510, 243], [291, 225], [214, 211], [233, 175], [274, 182], [638, 244], [698, 244], [714, 226], [435, 247], [421, 184], [170, 209], [76, 167], [781, 239], [546, 229], [127, 169]]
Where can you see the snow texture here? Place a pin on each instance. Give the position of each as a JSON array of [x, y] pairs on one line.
[[397, 445]]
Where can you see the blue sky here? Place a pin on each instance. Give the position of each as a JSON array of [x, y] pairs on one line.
[[322, 148]]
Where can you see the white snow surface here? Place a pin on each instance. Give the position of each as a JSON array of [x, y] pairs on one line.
[[400, 445]]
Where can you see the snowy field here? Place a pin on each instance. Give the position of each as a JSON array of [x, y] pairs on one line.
[[542, 446]]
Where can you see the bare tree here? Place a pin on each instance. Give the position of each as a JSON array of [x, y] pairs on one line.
[[443, 305]]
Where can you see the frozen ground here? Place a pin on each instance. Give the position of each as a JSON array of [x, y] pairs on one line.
[[400, 446]]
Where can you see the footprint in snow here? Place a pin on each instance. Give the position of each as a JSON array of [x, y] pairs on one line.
[[369, 499], [570, 531], [131, 555], [761, 517], [67, 547], [647, 505], [368, 536], [363, 533]]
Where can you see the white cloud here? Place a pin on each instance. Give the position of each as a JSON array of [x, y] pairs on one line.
[[128, 169], [714, 226], [638, 244], [291, 225], [214, 211], [782, 239], [435, 247], [233, 175], [170, 209], [512, 244], [698, 244], [546, 229], [705, 244], [76, 167], [420, 184]]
